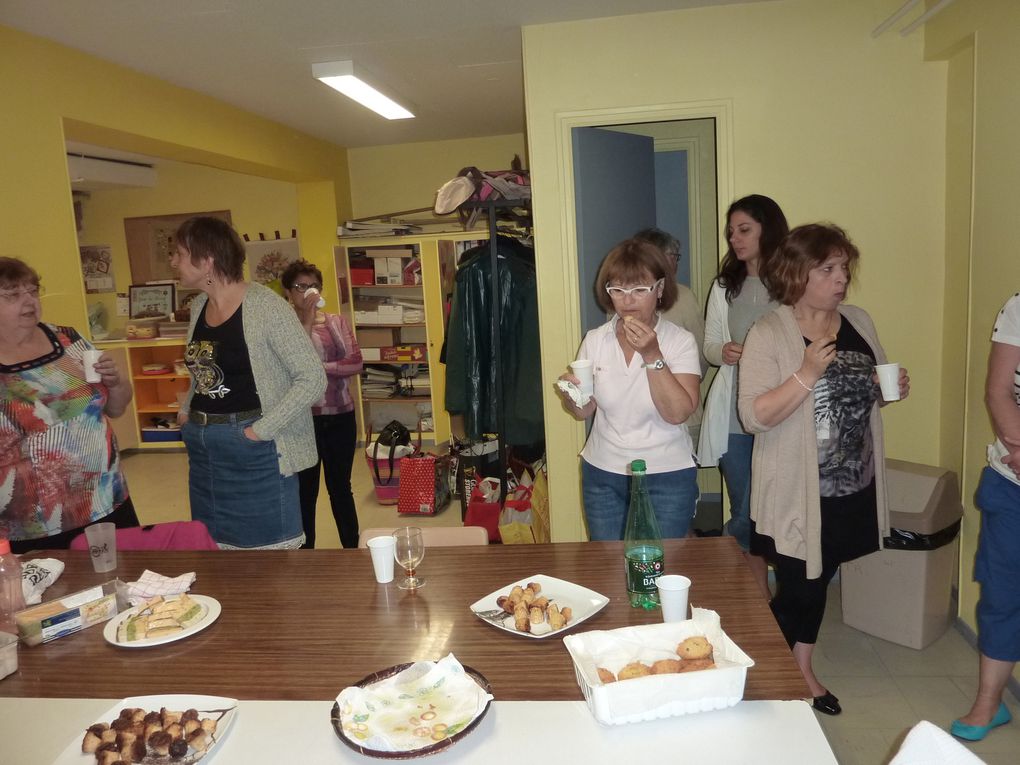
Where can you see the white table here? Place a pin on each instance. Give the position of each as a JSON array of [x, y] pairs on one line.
[[35, 731]]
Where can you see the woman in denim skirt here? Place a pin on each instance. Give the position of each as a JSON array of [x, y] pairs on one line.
[[247, 421]]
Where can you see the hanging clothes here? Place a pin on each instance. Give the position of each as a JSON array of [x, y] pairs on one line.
[[470, 358]]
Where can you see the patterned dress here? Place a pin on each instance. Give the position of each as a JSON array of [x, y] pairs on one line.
[[59, 463]]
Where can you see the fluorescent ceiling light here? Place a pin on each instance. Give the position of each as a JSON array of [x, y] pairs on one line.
[[340, 75]]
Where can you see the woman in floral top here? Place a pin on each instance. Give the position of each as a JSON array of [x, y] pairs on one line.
[[59, 463]]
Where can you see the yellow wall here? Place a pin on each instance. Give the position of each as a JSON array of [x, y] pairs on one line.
[[53, 93], [387, 179], [991, 28], [832, 123], [256, 205]]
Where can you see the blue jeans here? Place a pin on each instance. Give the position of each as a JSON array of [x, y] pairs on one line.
[[997, 567], [236, 488], [674, 497], [735, 466]]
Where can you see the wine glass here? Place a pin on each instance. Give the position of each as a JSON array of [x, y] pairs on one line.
[[408, 552]]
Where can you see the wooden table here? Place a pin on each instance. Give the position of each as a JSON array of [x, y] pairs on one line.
[[303, 624]]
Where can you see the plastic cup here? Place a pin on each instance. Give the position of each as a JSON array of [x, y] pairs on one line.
[[382, 557], [889, 381], [321, 302], [584, 371], [8, 654], [102, 539], [88, 360], [673, 589]]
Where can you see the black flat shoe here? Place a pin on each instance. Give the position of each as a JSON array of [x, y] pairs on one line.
[[827, 704]]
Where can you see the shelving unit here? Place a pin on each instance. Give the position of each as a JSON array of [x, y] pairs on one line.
[[437, 254], [155, 396]]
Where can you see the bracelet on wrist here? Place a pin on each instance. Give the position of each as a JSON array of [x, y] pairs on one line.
[[801, 383]]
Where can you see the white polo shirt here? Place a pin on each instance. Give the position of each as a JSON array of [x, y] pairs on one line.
[[627, 425]]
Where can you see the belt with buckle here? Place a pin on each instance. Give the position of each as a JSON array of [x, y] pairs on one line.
[[204, 418]]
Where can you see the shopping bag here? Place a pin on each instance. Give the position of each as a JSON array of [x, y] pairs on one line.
[[540, 506], [384, 465], [475, 460], [424, 484], [483, 507], [515, 519]]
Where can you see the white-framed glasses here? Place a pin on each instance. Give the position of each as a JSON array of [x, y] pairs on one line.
[[13, 296], [303, 288], [639, 292]]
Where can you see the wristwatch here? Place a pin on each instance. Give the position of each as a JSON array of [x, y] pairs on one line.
[[657, 364]]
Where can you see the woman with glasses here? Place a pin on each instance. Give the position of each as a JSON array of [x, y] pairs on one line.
[[647, 374], [247, 422], [336, 433], [755, 225], [59, 464]]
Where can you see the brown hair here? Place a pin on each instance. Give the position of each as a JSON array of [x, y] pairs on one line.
[[769, 215], [295, 269], [210, 238], [15, 272], [631, 261], [804, 248]]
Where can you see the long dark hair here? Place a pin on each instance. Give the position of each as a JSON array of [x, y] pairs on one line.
[[733, 271]]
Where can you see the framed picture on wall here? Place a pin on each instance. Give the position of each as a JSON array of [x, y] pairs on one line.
[[268, 258], [146, 301], [150, 243]]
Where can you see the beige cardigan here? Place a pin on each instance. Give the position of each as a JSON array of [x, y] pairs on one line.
[[785, 501]]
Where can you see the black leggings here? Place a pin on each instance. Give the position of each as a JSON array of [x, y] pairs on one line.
[[123, 517], [336, 437], [799, 604]]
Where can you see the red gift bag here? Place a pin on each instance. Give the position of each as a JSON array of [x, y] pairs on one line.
[[424, 484], [483, 507]]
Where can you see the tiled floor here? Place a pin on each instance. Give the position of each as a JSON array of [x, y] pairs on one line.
[[884, 688]]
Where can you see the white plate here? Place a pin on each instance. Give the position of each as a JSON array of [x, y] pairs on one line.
[[207, 706], [212, 614], [583, 602]]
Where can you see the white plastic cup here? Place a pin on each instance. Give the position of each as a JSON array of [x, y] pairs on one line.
[[102, 539], [584, 371], [382, 557], [673, 589], [321, 303], [889, 381], [88, 360]]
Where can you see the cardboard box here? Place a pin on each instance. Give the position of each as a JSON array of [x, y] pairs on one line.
[[403, 353], [366, 317], [375, 338], [394, 271], [72, 613], [363, 276], [370, 354], [391, 314], [382, 272]]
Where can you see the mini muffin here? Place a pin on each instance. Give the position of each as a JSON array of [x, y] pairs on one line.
[[634, 669], [666, 666], [606, 676], [693, 665], [695, 648]]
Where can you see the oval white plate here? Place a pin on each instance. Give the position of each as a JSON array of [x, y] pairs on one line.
[[212, 614], [226, 708], [583, 602]]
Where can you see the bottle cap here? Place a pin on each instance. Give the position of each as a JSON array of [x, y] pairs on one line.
[[638, 466], [5, 547]]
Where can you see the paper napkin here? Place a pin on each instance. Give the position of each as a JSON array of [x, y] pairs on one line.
[[150, 584]]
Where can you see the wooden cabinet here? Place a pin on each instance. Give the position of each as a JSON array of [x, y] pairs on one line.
[[400, 324], [155, 395]]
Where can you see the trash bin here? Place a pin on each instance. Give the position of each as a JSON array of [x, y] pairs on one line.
[[903, 592]]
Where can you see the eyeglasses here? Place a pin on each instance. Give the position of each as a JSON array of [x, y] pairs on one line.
[[639, 292], [13, 296], [303, 288]]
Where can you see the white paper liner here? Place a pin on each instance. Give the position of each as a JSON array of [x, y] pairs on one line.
[[415, 708], [655, 696]]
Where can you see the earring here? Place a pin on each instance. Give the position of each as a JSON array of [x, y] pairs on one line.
[[208, 280]]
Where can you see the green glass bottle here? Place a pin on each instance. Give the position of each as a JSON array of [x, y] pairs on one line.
[[642, 543]]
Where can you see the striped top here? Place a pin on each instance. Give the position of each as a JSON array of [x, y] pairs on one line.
[[59, 463], [341, 358]]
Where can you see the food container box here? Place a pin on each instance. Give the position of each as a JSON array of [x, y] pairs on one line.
[[656, 696], [143, 329], [404, 353], [71, 613]]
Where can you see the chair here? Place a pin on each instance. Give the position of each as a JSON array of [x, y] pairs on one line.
[[178, 535], [437, 536]]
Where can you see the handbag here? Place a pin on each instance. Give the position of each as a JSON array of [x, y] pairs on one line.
[[394, 434], [424, 484], [387, 490]]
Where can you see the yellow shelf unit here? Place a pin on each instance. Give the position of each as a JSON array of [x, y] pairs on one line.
[[438, 253]]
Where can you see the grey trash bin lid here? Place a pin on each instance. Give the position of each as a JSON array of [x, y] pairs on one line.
[[922, 498]]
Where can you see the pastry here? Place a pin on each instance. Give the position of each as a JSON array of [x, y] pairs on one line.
[[605, 675], [693, 665], [666, 666], [634, 669], [694, 648]]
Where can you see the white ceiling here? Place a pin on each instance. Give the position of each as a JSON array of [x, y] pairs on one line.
[[457, 61]]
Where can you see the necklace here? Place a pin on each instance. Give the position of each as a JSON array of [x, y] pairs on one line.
[[829, 332]]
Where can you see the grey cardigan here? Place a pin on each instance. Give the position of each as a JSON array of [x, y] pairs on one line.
[[288, 374], [785, 498]]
